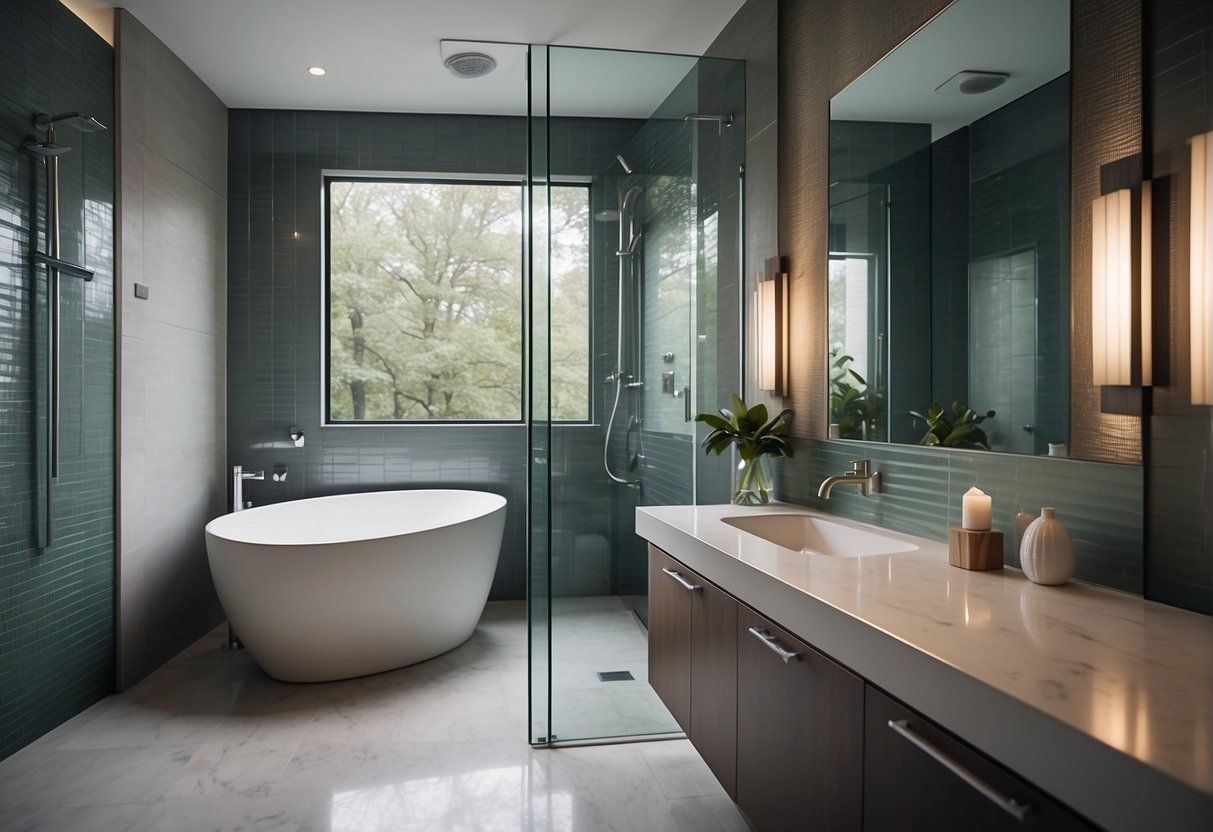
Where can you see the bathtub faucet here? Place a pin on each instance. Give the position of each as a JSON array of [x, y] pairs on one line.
[[239, 475]]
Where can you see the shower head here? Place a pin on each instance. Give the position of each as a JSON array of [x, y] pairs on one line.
[[623, 163], [83, 123]]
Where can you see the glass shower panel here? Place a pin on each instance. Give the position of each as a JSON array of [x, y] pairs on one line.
[[616, 123]]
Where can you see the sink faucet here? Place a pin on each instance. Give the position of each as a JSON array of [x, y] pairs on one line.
[[239, 475], [861, 475]]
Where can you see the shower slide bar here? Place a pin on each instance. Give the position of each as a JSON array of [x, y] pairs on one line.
[[50, 151]]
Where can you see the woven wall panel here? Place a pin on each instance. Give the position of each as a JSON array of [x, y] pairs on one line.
[[823, 46], [1105, 125]]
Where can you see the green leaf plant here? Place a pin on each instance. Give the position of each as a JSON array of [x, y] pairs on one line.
[[753, 432], [961, 431]]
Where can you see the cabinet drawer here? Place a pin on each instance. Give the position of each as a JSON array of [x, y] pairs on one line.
[[670, 633], [918, 776], [799, 732]]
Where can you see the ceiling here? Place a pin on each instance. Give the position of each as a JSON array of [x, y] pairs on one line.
[[384, 55], [1030, 39]]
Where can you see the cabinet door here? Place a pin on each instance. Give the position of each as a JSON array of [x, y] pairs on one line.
[[714, 682], [799, 732], [670, 633], [918, 776]]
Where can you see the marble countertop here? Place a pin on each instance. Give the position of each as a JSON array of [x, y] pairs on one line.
[[1099, 697]]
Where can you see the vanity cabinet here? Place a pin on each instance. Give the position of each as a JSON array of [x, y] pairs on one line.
[[799, 732], [918, 776], [693, 660]]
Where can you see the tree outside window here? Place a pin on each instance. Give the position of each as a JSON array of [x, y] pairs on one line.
[[425, 301]]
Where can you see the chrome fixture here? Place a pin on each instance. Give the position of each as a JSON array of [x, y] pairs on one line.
[[861, 475], [721, 122], [629, 238], [470, 64], [280, 473], [773, 645], [239, 475], [50, 151], [296, 435], [623, 163]]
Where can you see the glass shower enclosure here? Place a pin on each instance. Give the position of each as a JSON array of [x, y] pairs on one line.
[[644, 152]]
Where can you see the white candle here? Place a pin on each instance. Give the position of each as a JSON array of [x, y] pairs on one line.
[[976, 509]]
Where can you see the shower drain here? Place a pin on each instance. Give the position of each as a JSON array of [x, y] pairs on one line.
[[615, 676]]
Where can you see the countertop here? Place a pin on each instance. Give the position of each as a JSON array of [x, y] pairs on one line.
[[1099, 697]]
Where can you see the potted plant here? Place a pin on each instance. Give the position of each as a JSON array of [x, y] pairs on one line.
[[758, 438], [963, 432], [855, 409]]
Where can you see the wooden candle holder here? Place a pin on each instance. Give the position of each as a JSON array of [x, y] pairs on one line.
[[978, 551]]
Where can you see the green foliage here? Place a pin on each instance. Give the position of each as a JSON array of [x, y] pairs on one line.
[[856, 409], [749, 429], [963, 431], [426, 301]]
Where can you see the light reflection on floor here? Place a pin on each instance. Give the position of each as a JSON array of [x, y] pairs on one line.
[[210, 743]]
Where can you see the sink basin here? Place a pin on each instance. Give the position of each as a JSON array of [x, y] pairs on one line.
[[805, 533]]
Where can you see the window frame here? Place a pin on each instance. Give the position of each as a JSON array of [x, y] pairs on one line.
[[586, 184], [327, 177]]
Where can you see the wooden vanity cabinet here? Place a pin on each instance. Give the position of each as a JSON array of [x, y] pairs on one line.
[[799, 732], [693, 660], [918, 776]]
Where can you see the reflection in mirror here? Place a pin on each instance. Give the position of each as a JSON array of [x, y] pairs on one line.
[[949, 235]]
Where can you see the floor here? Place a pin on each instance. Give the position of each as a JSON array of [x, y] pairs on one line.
[[209, 742], [590, 635]]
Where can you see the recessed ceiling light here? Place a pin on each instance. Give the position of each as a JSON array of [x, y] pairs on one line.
[[316, 70]]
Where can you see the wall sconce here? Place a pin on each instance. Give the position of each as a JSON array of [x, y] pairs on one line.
[[771, 306], [1121, 295], [1200, 270]]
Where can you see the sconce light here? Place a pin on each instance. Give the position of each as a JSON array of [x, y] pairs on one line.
[[771, 305], [1121, 314], [1200, 272]]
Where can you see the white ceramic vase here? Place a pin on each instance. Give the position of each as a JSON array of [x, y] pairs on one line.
[[1046, 554]]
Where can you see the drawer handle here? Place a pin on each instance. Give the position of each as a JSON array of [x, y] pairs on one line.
[[769, 640], [1013, 808], [687, 585]]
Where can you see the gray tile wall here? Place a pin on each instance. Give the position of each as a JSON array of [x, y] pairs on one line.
[[1099, 503], [274, 303], [1179, 451], [56, 603], [172, 133]]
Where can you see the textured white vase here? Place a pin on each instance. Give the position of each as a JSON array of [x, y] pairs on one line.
[[1046, 554]]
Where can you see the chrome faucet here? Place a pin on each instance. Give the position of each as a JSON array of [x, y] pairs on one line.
[[861, 474], [239, 475]]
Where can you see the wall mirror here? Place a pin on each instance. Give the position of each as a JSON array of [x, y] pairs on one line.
[[949, 235]]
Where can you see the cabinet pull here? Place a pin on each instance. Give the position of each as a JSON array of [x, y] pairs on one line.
[[687, 585], [769, 640], [1012, 807]]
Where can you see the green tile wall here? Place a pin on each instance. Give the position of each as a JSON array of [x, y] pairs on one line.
[[1100, 504], [56, 605]]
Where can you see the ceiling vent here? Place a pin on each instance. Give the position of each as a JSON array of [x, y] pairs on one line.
[[972, 82], [470, 64]]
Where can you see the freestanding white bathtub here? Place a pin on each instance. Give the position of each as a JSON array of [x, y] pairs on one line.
[[334, 587]]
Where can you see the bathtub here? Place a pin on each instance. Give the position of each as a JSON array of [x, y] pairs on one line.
[[333, 587]]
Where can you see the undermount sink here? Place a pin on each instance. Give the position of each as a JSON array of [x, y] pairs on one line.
[[805, 533]]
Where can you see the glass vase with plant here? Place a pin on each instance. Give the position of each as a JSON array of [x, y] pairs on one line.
[[758, 438], [855, 408]]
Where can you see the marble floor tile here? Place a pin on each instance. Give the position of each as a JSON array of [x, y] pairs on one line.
[[209, 742], [679, 770]]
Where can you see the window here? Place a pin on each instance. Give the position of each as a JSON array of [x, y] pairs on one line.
[[425, 300]]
